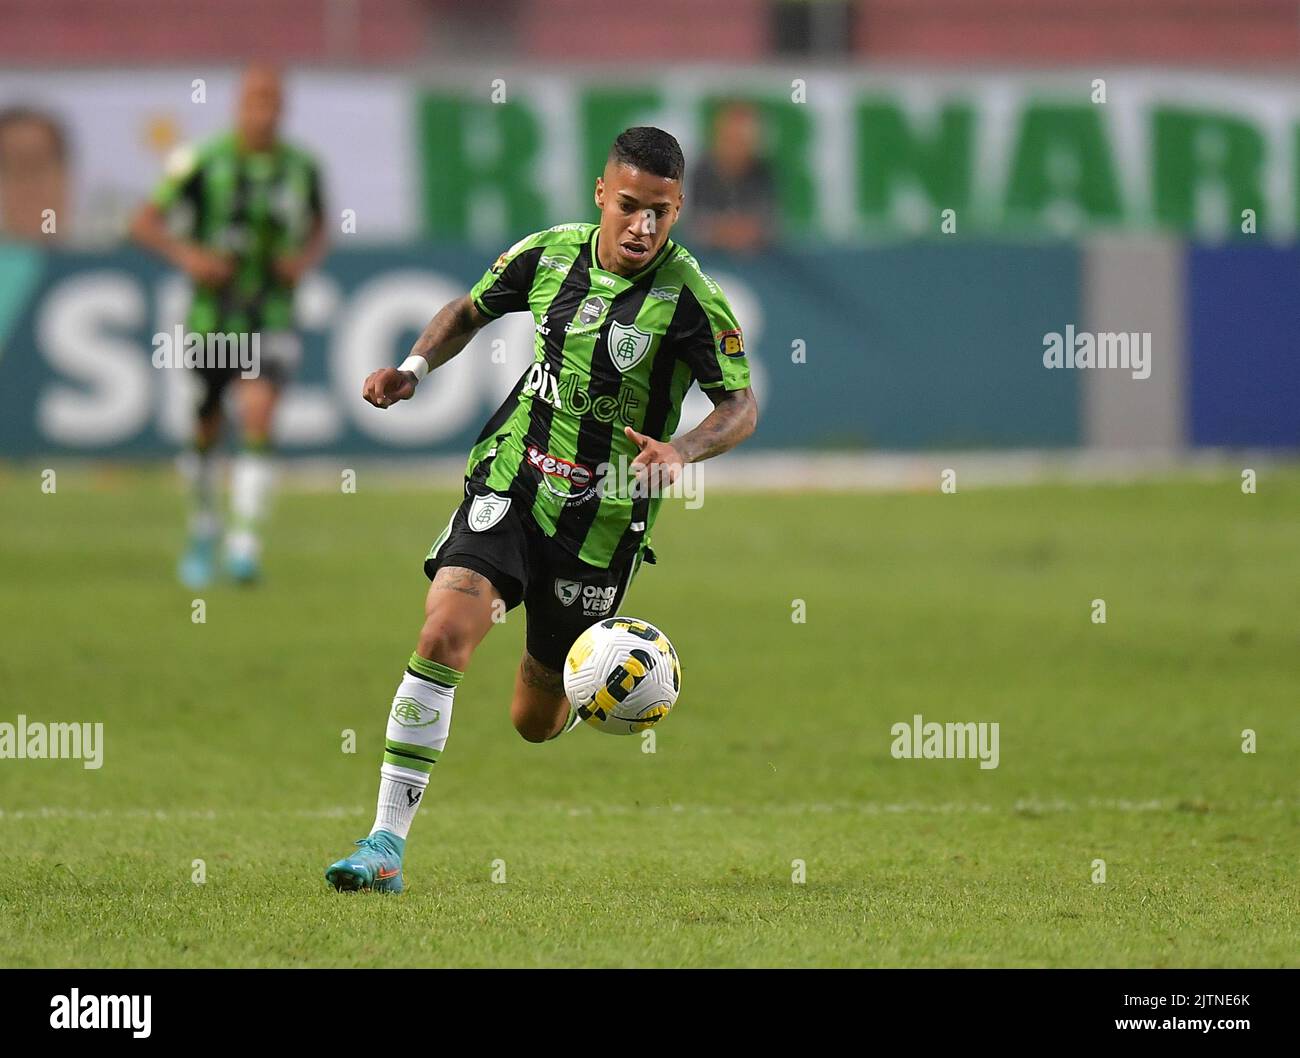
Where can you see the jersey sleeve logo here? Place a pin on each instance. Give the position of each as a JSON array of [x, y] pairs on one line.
[[731, 343], [627, 345]]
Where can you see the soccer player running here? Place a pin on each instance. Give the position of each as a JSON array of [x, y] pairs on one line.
[[625, 322], [253, 220]]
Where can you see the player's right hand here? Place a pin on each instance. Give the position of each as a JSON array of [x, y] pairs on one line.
[[207, 267], [387, 386]]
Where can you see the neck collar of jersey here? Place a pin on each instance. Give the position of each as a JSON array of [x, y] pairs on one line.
[[245, 151], [659, 259]]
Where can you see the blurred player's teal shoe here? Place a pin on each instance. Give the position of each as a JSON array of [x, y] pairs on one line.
[[377, 866], [242, 551], [196, 565], [243, 569]]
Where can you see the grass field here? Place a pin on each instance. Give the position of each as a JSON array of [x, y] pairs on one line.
[[1120, 742]]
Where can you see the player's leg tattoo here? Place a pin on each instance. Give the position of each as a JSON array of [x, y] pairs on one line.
[[465, 581], [458, 614], [539, 708], [539, 677]]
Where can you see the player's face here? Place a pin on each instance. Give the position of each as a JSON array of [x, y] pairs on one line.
[[259, 109], [637, 211]]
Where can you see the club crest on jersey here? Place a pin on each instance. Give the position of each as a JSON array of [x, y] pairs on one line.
[[627, 345], [486, 511], [567, 591], [731, 343]]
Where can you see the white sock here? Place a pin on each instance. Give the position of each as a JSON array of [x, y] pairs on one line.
[[418, 725], [398, 800], [251, 480]]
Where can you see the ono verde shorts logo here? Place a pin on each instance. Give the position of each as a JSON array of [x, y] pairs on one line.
[[597, 601], [410, 712], [486, 511]]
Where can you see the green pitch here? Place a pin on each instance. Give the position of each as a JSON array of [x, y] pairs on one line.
[[1120, 742]]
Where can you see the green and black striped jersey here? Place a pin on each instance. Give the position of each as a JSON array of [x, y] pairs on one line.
[[256, 206], [609, 351]]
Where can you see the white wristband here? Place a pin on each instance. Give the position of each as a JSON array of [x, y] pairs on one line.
[[417, 365]]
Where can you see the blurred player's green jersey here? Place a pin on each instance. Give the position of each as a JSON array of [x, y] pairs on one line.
[[255, 205], [610, 351]]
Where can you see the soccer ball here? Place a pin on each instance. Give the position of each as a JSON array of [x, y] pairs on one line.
[[622, 676]]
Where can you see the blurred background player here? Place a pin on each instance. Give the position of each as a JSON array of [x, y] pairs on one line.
[[249, 208], [733, 194], [33, 175]]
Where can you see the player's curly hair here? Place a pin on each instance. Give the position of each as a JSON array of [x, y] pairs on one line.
[[646, 147]]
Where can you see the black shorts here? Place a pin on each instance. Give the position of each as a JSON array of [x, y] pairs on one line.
[[562, 595], [279, 351]]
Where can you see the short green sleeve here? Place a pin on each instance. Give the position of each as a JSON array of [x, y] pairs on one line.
[[710, 338], [505, 286]]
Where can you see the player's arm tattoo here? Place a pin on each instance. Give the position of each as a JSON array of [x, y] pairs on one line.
[[458, 578], [449, 331], [733, 418], [535, 674]]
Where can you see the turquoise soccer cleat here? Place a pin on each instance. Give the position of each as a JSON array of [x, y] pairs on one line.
[[243, 569], [196, 565], [378, 866]]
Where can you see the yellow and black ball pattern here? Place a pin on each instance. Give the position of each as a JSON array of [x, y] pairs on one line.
[[622, 675]]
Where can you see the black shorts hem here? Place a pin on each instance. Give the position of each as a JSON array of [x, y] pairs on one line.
[[506, 586], [551, 660]]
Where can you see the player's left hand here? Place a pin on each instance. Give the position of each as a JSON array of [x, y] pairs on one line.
[[658, 464]]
